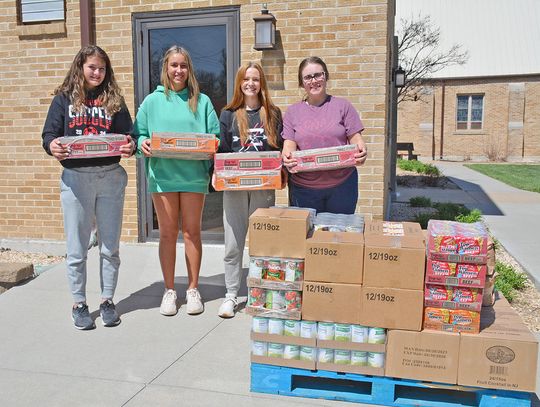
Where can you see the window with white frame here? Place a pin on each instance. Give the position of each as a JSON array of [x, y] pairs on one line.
[[33, 11], [470, 112]]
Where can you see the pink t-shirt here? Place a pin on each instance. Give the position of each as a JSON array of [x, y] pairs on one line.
[[328, 125]]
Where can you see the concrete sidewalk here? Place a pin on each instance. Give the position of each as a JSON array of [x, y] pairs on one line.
[[512, 215], [148, 360]]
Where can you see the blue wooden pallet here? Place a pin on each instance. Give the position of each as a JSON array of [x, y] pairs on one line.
[[377, 390]]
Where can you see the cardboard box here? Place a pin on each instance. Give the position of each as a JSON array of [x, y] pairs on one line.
[[287, 340], [502, 356], [248, 180], [332, 302], [394, 257], [275, 285], [92, 146], [335, 257], [428, 356], [366, 347], [184, 146], [319, 159], [450, 237], [278, 232], [365, 370], [451, 320], [392, 308], [455, 274], [248, 161], [449, 297]]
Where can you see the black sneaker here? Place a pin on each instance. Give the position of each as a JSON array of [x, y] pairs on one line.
[[109, 316], [81, 317]]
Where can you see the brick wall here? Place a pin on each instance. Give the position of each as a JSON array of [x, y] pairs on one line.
[[350, 35], [511, 128]]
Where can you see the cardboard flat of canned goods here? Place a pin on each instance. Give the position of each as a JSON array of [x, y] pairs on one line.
[[184, 146], [365, 370], [93, 146], [248, 180], [394, 255], [328, 158], [248, 161]]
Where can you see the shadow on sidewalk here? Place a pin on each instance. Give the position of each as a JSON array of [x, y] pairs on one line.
[[482, 200], [211, 288]]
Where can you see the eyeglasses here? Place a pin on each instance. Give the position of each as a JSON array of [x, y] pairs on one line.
[[318, 76]]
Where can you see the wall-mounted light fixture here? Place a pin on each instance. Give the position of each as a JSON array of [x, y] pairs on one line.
[[399, 77], [265, 30]]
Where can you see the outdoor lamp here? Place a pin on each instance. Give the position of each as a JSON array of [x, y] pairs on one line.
[[399, 77], [265, 30]]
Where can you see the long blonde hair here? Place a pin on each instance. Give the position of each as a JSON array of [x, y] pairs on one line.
[[110, 94], [270, 113], [192, 84]]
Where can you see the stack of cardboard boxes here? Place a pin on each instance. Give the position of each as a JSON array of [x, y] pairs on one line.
[[255, 170], [455, 277], [353, 281]]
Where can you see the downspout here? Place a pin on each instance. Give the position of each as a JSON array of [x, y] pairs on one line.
[[88, 32], [433, 124], [441, 147]]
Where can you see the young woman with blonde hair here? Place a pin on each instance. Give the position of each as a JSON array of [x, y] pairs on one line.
[[178, 187], [250, 122]]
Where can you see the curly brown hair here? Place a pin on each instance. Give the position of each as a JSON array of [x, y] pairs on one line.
[[110, 94]]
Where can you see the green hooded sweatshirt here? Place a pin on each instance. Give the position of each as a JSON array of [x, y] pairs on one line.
[[161, 113]]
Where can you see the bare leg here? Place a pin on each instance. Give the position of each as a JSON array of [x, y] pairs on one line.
[[167, 205], [191, 207]]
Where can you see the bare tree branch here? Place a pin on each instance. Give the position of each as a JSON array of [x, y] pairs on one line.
[[420, 56]]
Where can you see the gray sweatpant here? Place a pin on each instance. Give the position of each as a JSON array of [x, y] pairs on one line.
[[237, 207]]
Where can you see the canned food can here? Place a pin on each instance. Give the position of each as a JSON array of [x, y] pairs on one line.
[[377, 335], [294, 270], [259, 348], [291, 328], [259, 325], [359, 333], [342, 332], [342, 357], [274, 271], [275, 326], [359, 358], [325, 331], [375, 359], [275, 300], [308, 353], [257, 297], [291, 352], [293, 300], [325, 355], [308, 329], [275, 350], [256, 267]]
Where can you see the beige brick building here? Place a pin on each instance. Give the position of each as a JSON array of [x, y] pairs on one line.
[[489, 107], [352, 36], [509, 124]]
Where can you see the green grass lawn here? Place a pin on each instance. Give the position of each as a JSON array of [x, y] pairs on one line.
[[522, 176]]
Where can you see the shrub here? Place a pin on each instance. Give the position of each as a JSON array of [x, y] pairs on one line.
[[420, 202], [423, 219], [431, 170], [474, 216], [449, 211], [509, 280]]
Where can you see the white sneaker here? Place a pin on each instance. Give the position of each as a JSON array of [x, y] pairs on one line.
[[168, 303], [227, 308], [194, 303]]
